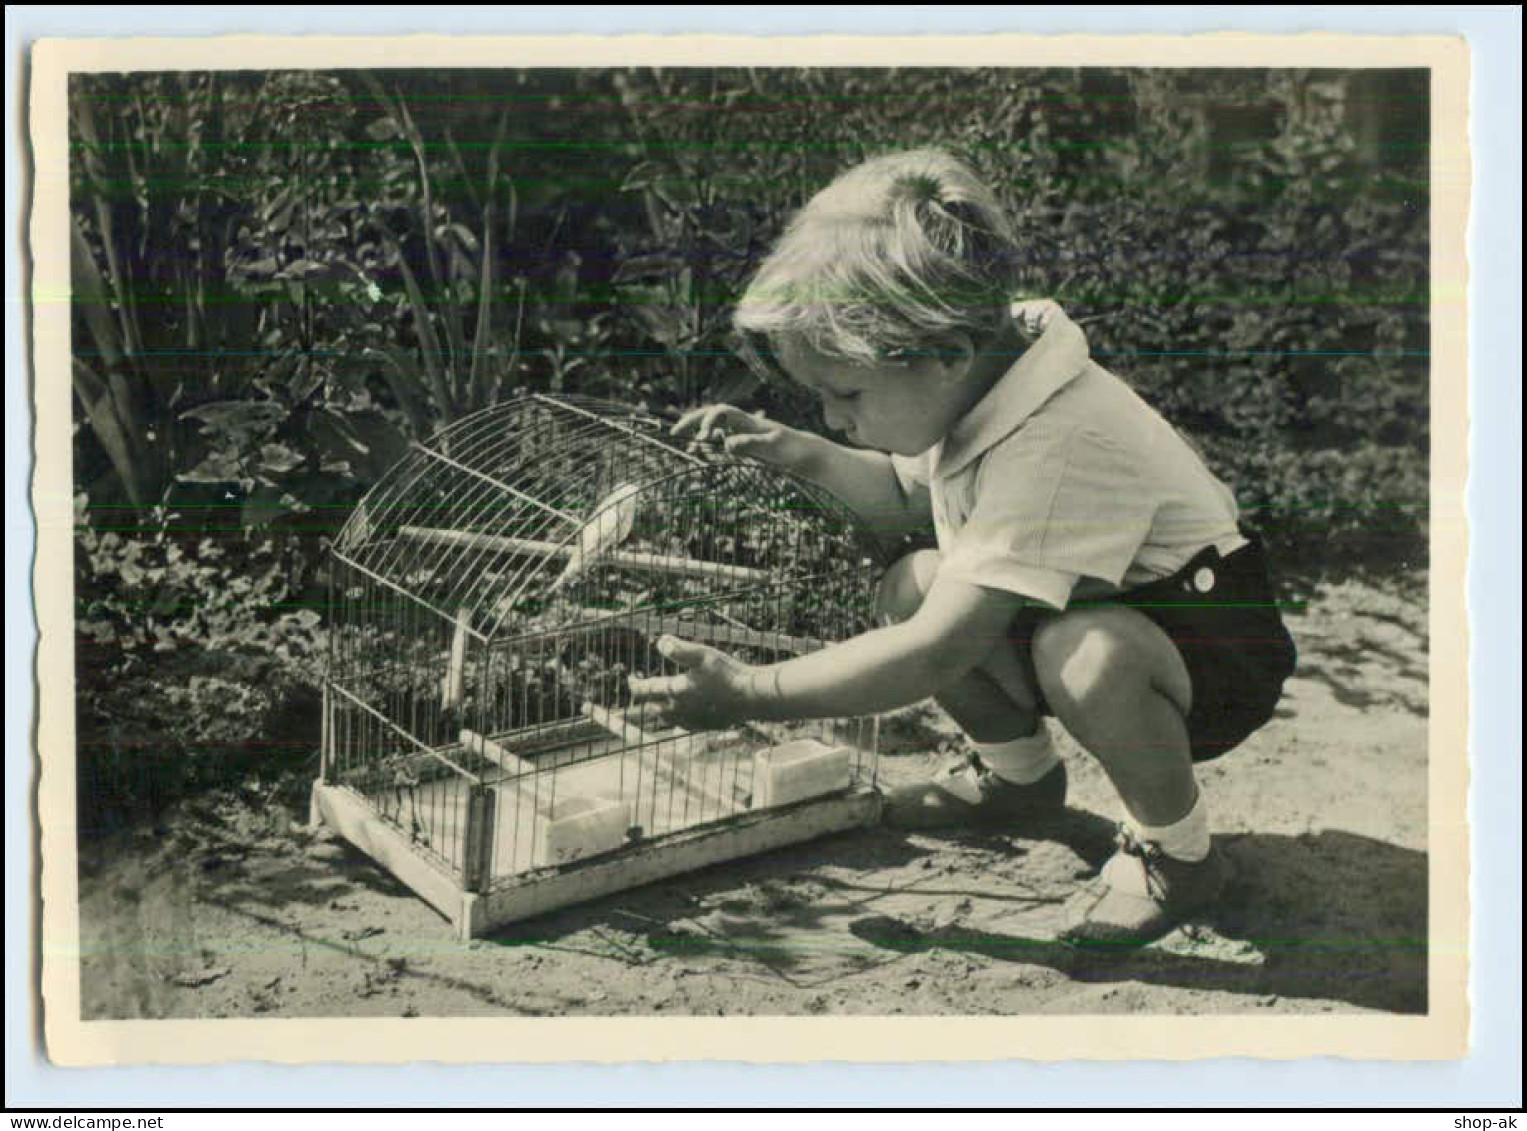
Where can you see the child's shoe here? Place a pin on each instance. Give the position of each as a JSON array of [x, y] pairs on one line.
[[969, 793], [1143, 893]]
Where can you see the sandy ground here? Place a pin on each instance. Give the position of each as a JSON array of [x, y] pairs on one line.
[[229, 907]]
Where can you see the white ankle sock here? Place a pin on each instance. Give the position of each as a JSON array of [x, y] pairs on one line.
[[1021, 761], [1187, 839]]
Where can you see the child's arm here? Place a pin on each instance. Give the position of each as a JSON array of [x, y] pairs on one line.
[[957, 625], [863, 480]]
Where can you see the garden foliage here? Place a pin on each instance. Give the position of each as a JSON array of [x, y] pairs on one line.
[[280, 279]]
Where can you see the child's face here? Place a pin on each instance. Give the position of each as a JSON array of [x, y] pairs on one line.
[[903, 407]]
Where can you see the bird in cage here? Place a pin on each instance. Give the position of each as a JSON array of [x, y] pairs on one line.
[[614, 519]]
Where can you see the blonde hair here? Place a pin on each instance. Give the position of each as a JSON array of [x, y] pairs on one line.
[[892, 255]]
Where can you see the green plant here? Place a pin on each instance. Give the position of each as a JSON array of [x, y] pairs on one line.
[[151, 218], [196, 657], [465, 366], [214, 360]]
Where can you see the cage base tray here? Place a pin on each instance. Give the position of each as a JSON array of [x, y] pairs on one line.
[[473, 914]]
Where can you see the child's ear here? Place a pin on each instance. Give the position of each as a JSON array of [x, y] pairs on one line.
[[956, 354]]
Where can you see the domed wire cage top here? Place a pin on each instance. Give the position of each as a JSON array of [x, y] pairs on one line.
[[492, 595]]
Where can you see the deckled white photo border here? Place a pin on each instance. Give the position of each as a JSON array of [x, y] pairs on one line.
[[1441, 1033]]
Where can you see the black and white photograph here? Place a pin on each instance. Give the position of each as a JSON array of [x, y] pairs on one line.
[[744, 540]]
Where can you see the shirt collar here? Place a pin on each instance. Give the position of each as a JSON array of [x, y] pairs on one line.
[[1054, 359]]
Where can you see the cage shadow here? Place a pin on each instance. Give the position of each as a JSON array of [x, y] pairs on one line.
[[1332, 916], [773, 909]]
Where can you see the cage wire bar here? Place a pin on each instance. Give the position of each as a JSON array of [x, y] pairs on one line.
[[490, 598]]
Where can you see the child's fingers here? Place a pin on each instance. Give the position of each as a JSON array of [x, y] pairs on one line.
[[685, 653], [720, 420], [690, 421], [746, 443], [657, 689], [701, 422]]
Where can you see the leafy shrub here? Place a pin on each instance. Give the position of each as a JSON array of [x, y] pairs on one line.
[[195, 658], [1237, 244], [209, 367], [1248, 247]]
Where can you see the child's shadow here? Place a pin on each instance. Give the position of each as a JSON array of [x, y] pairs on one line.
[[1328, 916]]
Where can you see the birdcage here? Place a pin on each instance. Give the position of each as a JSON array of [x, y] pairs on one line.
[[490, 599]]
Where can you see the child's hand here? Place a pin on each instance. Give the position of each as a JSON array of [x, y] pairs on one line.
[[707, 695], [747, 434]]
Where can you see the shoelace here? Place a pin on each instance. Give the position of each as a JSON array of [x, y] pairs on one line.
[[1148, 852], [958, 764]]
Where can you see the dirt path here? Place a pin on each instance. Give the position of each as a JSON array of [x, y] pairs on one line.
[[228, 907]]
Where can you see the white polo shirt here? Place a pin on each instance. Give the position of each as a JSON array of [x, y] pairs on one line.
[[1061, 483]]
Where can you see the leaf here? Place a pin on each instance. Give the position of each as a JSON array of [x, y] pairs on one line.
[[384, 129], [461, 168], [264, 505], [434, 364], [117, 438], [464, 235], [477, 383], [306, 380], [276, 213], [218, 467], [378, 437], [335, 437], [93, 394], [278, 459], [650, 307], [366, 438], [401, 372], [91, 299], [680, 193], [248, 416], [641, 176], [260, 269], [304, 270], [736, 386]]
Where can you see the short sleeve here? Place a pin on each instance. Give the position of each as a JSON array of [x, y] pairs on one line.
[[1051, 506]]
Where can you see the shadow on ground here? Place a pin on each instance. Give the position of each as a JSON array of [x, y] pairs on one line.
[[1333, 916], [1330, 916]]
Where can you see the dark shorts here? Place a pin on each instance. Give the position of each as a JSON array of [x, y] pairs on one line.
[[1222, 615]]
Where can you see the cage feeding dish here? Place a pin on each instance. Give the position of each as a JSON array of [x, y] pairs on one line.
[[490, 598]]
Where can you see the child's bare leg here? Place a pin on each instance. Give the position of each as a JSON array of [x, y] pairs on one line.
[[1117, 683], [1017, 775], [995, 702]]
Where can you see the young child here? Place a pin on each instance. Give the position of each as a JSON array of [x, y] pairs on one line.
[[1089, 566]]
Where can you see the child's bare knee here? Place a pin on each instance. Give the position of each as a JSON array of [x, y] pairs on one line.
[[1087, 660], [901, 591], [1077, 660]]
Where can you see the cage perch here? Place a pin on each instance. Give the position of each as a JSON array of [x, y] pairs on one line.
[[626, 559]]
